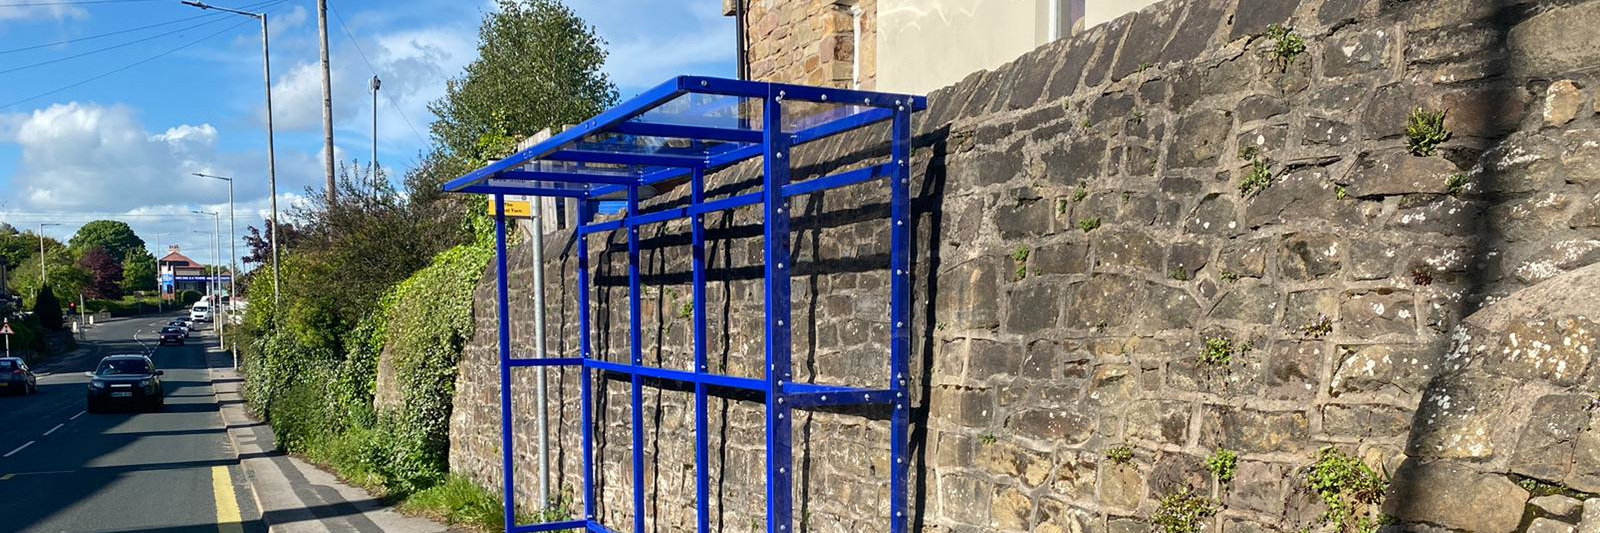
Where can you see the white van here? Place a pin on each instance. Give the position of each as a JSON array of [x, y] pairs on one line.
[[201, 312]]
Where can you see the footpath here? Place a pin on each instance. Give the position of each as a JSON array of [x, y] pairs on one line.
[[295, 496]]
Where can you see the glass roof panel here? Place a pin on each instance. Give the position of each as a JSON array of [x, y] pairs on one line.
[[600, 169], [800, 116], [706, 110]]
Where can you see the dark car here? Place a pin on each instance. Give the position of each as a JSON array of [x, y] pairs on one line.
[[173, 334], [16, 378], [130, 380]]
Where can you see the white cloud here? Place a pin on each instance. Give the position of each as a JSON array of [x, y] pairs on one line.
[[51, 12], [78, 158]]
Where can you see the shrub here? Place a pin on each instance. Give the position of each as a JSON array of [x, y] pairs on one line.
[[1223, 463], [1286, 45], [188, 297], [1351, 489], [47, 309]]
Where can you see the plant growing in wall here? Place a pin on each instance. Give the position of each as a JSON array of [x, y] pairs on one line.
[[1318, 327], [1352, 490], [1219, 351], [1183, 512], [1457, 183], [1222, 464], [1425, 131], [1286, 45], [1089, 224], [1258, 177], [1120, 454], [1020, 256]]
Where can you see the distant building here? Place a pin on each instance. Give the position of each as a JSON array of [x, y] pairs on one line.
[[176, 273], [910, 46]]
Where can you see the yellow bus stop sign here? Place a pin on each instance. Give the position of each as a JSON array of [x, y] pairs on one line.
[[515, 208]]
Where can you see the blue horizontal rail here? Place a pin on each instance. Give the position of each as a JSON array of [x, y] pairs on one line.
[[835, 181], [679, 376], [548, 361], [551, 526], [840, 396], [688, 132]]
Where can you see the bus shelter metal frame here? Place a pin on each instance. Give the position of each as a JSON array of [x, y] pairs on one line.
[[765, 137]]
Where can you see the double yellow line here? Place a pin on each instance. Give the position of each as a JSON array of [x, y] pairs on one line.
[[228, 520]]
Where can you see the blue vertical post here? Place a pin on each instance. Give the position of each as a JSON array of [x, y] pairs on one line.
[[780, 452], [899, 311], [585, 216], [702, 453], [635, 343], [503, 295]]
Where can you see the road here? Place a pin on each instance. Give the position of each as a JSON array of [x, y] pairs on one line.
[[174, 471]]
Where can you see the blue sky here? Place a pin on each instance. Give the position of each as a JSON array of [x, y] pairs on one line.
[[123, 145]]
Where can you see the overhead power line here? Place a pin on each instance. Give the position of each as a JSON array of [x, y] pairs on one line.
[[109, 48], [43, 3], [370, 67], [107, 34], [129, 66]]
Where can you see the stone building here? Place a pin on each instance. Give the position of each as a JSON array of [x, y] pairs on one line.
[[911, 46]]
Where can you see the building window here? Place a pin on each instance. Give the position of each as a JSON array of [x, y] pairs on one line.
[[1064, 18]]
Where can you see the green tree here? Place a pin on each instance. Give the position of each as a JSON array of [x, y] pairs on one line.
[[139, 271], [63, 275], [115, 237], [538, 67]]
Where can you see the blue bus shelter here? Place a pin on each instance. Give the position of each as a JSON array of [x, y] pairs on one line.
[[675, 133]]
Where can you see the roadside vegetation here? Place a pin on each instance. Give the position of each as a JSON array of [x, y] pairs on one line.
[[387, 273]]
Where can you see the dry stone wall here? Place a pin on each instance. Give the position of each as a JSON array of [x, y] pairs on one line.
[[1135, 248]]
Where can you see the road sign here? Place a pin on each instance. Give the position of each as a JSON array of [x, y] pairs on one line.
[[5, 329], [515, 208]]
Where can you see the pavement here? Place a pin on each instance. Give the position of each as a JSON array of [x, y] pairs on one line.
[[199, 465]]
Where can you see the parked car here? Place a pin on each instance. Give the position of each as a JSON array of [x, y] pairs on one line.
[[129, 379], [16, 377], [173, 334], [187, 326], [201, 312]]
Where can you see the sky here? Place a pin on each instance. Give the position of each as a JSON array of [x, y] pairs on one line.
[[108, 106]]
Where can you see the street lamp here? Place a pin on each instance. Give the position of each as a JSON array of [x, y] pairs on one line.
[[272, 162], [233, 236], [376, 83], [216, 282], [41, 251]]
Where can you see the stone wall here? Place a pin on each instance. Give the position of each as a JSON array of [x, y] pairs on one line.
[[1082, 241]]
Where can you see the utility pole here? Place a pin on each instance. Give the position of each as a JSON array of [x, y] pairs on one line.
[[376, 83], [42, 281], [327, 99]]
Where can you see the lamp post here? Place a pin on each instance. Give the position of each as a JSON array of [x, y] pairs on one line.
[[41, 252], [272, 165], [216, 284], [376, 83], [233, 236]]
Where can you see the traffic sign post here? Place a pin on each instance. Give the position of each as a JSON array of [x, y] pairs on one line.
[[5, 329]]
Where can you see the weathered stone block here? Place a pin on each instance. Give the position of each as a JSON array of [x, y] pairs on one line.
[[1556, 350], [1460, 417], [1258, 486], [1254, 431], [1356, 52], [1378, 312], [1011, 509], [1146, 38], [1553, 42], [1456, 497], [1213, 216], [1365, 421], [1327, 132], [1121, 486], [1248, 302], [1125, 248], [1053, 426], [1559, 506], [1075, 163], [1206, 133], [1261, 107], [963, 406], [971, 298], [1253, 16], [1390, 369], [1546, 525], [1309, 256], [1033, 307], [1394, 173], [1023, 218], [1161, 422], [1545, 448]]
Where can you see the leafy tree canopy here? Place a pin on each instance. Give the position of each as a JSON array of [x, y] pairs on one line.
[[105, 274], [115, 237], [139, 271], [538, 67]]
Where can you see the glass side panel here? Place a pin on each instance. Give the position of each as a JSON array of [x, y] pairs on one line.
[[799, 116], [644, 144], [599, 169], [538, 184]]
